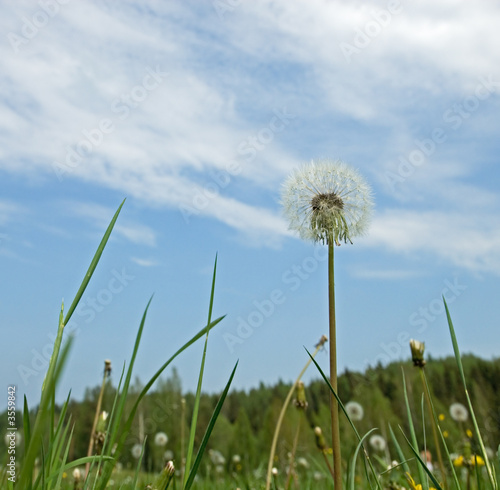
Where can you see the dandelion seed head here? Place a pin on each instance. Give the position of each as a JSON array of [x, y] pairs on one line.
[[136, 451], [327, 199], [458, 412], [354, 410], [377, 442], [161, 439]]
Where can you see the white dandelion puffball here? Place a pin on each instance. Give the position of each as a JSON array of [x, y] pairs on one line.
[[136, 451], [377, 442], [354, 410], [458, 412], [161, 439], [327, 199]]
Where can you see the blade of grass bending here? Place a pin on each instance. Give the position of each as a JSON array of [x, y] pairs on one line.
[[93, 265], [413, 435], [196, 407], [489, 469], [352, 474], [421, 461], [208, 432], [443, 440], [341, 405], [401, 455]]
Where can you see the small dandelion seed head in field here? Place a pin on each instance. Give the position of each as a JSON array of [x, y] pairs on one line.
[[327, 199], [275, 471], [216, 457], [77, 475], [302, 463], [417, 353], [161, 439], [236, 458], [458, 412], [355, 411], [377, 442], [136, 451]]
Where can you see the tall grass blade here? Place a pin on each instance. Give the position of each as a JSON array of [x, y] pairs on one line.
[[196, 407], [42, 418], [443, 440], [490, 470], [413, 435], [27, 436], [208, 432], [422, 462], [352, 472], [401, 455], [93, 265]]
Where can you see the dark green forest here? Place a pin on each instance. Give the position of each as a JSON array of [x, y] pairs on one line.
[[245, 428]]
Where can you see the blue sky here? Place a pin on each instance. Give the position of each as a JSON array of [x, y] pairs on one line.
[[196, 112]]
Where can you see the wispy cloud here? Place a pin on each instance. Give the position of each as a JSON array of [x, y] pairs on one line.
[[168, 107]]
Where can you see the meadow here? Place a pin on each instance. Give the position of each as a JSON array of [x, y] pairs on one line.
[[423, 424]]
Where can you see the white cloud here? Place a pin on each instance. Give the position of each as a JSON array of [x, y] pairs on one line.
[[218, 85], [144, 262], [470, 241]]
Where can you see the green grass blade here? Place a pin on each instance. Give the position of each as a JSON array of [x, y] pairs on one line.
[[42, 418], [114, 425], [139, 464], [93, 265], [27, 436], [443, 440], [108, 467], [413, 435], [422, 464], [341, 405], [401, 455], [194, 419], [352, 473], [64, 458], [490, 470], [208, 432]]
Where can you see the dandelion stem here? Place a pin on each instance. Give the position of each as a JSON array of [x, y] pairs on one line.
[[337, 462]]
